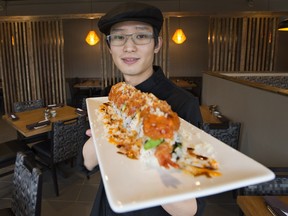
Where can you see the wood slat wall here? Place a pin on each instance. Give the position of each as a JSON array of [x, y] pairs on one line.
[[110, 73], [242, 43], [31, 61], [162, 57]]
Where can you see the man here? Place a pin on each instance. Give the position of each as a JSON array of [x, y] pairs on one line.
[[132, 31]]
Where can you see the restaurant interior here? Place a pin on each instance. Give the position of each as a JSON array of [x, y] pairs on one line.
[[232, 57]]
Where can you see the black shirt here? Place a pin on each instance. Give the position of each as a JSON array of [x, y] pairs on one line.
[[181, 101], [186, 106]]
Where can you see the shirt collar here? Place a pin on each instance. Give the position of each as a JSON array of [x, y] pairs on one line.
[[152, 81]]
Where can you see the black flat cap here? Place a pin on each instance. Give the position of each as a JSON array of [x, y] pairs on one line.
[[132, 11]]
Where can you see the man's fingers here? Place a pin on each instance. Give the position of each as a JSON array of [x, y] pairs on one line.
[[88, 133]]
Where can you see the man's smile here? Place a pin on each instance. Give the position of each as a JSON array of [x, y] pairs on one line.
[[130, 60]]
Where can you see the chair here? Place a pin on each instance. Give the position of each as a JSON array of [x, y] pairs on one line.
[[84, 104], [277, 186], [8, 154], [28, 105], [76, 94], [84, 107], [82, 168], [66, 140], [25, 106], [27, 188], [228, 133]]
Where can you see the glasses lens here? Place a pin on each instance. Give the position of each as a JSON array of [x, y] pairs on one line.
[[116, 39], [137, 38], [142, 38]]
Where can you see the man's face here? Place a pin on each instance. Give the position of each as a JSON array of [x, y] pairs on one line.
[[134, 61]]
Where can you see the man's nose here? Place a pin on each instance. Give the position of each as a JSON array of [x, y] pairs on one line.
[[129, 45]]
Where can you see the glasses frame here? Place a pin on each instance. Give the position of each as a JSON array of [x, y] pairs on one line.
[[133, 35]]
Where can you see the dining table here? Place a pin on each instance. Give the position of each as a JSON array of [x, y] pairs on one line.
[[255, 205], [184, 83], [67, 112], [37, 115], [90, 85], [208, 116]]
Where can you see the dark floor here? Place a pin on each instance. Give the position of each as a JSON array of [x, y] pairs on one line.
[[77, 192]]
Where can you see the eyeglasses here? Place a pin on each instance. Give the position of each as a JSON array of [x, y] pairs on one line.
[[139, 38]]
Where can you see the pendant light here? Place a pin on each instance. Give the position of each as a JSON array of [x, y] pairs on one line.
[[179, 36], [283, 25], [92, 37]]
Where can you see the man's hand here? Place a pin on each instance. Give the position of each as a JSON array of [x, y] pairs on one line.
[[89, 152], [88, 133]]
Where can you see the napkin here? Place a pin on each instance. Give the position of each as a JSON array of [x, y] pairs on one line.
[[38, 124], [80, 111], [276, 206], [13, 116], [52, 106]]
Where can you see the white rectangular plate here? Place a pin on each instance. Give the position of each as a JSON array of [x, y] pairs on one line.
[[132, 185]]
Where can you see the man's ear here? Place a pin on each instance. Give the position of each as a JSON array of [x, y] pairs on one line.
[[159, 45]]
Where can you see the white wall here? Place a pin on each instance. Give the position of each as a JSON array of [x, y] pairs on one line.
[[80, 59], [263, 114], [191, 57]]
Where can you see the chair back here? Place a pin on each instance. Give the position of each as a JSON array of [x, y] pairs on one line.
[[277, 186], [28, 105], [8, 154], [27, 182], [67, 138], [229, 135], [84, 104]]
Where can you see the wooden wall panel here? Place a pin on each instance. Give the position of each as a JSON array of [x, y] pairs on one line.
[[242, 43], [32, 61]]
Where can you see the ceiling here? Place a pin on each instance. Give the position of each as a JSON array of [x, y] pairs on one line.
[[60, 7]]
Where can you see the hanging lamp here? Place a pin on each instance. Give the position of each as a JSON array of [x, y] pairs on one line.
[[179, 36], [92, 37], [283, 25]]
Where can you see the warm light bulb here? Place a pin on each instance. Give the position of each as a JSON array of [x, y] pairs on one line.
[[12, 40], [283, 29], [92, 38], [179, 36], [283, 26]]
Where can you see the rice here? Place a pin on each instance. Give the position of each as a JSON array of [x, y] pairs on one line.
[[147, 157]]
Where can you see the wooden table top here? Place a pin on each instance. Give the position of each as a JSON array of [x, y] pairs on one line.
[[88, 84], [184, 83], [67, 112], [207, 116], [33, 116], [254, 205]]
